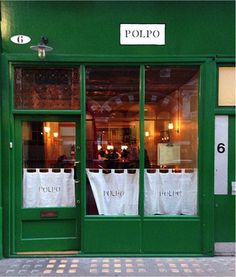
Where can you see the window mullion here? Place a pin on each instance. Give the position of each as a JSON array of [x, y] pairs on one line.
[[141, 134]]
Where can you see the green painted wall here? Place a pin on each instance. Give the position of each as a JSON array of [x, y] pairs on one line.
[[92, 28]]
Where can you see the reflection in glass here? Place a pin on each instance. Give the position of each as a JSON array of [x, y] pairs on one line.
[[48, 150], [171, 140], [46, 88], [112, 95]]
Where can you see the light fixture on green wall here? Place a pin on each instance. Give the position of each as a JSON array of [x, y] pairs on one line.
[[42, 47]]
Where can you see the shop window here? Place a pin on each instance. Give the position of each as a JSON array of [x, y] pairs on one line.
[[171, 140], [48, 155], [227, 86], [46, 88], [112, 162]]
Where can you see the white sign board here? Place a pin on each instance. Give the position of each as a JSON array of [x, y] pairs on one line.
[[142, 34], [221, 154], [20, 39], [168, 153]]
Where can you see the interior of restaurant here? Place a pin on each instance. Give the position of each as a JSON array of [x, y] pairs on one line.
[[113, 113], [113, 120], [113, 123]]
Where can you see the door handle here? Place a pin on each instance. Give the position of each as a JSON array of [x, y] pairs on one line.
[[75, 170], [77, 182], [77, 202]]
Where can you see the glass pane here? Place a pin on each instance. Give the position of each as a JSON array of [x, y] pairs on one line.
[[112, 140], [47, 88], [48, 155], [227, 86], [171, 140]]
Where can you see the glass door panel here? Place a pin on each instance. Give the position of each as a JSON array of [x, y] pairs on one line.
[[48, 150]]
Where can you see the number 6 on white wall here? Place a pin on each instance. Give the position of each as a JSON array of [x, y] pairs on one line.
[[221, 154]]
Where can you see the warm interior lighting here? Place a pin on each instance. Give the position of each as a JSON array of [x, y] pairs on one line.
[[99, 147], [177, 126], [124, 147], [55, 134], [46, 129], [110, 147], [147, 134], [170, 126]]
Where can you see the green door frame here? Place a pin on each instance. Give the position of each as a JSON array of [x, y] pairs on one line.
[[206, 134], [33, 214], [1, 204]]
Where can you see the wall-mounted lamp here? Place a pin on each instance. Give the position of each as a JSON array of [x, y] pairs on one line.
[[55, 134], [170, 126], [42, 47], [124, 147], [47, 129], [110, 147], [177, 126]]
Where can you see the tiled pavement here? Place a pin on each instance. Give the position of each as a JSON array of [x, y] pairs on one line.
[[209, 266]]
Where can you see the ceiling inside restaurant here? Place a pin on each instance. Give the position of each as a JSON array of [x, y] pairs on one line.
[[117, 88]]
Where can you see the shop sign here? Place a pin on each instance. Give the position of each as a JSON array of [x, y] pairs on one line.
[[20, 39], [142, 34]]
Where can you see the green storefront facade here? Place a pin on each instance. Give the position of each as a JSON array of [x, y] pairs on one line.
[[85, 37]]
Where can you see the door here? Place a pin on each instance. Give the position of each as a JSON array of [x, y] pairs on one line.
[[47, 193]]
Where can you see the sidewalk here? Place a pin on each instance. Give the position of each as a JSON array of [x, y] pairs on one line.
[[207, 266]]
